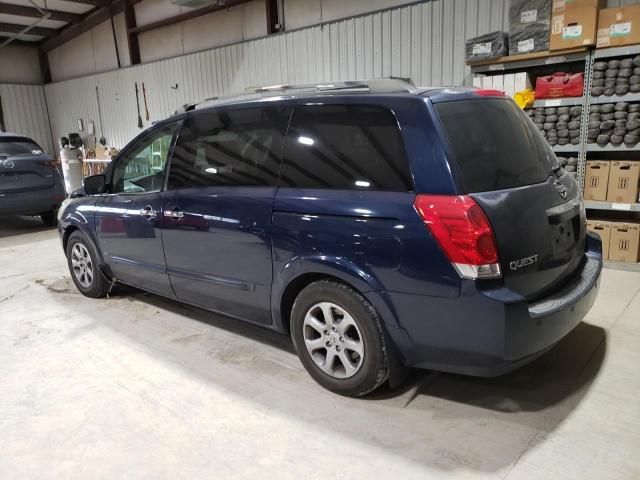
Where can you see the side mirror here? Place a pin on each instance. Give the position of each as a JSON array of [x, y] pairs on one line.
[[95, 184]]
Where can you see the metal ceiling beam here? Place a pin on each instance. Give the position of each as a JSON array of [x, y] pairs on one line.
[[132, 37], [95, 3], [186, 16], [89, 20], [21, 11], [20, 43], [273, 14], [37, 31]]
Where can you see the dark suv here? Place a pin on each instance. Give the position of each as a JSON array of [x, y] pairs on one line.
[[381, 225], [30, 180]]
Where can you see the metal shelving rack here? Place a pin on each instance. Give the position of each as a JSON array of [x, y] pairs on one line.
[[629, 97], [594, 147], [584, 148], [559, 102], [512, 63], [611, 207]]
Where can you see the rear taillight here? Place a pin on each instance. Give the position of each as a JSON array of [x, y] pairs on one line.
[[463, 232], [489, 92], [50, 163]]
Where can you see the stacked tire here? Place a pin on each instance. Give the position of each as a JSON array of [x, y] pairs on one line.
[[614, 124], [616, 77], [559, 125], [570, 165]]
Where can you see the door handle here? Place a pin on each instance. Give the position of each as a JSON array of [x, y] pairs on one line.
[[148, 212], [174, 213]]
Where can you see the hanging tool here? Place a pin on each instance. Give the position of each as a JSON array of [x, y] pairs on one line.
[[102, 140], [144, 96], [138, 107]]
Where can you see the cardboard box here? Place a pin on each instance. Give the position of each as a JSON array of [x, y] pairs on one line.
[[618, 26], [603, 229], [522, 81], [510, 84], [573, 28], [625, 242], [498, 82], [559, 6], [596, 180], [623, 181]]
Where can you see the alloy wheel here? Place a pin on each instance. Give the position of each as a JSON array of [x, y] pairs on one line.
[[82, 265], [333, 340]]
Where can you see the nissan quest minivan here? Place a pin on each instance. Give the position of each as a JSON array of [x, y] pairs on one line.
[[382, 226]]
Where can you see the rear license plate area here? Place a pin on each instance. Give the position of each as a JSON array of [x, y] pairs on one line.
[[564, 235], [8, 177]]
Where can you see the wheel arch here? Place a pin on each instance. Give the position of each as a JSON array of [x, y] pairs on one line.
[[293, 289], [66, 234], [393, 333], [302, 271], [72, 225]]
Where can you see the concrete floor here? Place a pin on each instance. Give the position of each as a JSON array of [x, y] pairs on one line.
[[139, 387]]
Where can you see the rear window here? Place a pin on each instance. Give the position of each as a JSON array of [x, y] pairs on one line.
[[14, 147], [348, 147], [494, 143]]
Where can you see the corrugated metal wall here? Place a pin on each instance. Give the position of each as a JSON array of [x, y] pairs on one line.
[[25, 112], [424, 41]]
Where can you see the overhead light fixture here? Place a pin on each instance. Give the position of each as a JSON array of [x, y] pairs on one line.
[[306, 140]]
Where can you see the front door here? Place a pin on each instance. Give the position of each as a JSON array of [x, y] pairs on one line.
[[217, 211], [128, 220]]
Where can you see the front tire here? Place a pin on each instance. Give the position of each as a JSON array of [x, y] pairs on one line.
[[339, 339], [50, 219], [84, 267]]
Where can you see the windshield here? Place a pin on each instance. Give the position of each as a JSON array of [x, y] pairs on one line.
[[15, 147], [495, 144]]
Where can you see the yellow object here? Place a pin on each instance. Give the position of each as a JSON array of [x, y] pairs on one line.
[[524, 98]]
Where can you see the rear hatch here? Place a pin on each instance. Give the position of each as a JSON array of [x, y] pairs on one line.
[[24, 166], [534, 208]]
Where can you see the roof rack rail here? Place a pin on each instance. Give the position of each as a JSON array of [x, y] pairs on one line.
[[377, 85], [321, 87], [382, 85]]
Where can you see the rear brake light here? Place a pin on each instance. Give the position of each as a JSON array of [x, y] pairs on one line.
[[463, 232], [489, 92], [50, 163]]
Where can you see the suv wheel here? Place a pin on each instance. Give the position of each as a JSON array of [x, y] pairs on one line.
[[50, 219], [84, 267], [338, 337]]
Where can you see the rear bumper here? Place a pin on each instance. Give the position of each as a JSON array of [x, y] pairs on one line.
[[32, 202], [488, 332]]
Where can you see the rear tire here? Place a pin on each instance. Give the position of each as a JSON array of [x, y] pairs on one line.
[[84, 267], [50, 219], [339, 339]]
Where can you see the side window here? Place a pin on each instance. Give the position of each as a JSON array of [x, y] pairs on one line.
[[345, 147], [237, 147], [142, 169]]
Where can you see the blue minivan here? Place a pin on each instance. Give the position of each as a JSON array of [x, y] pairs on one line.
[[382, 226]]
